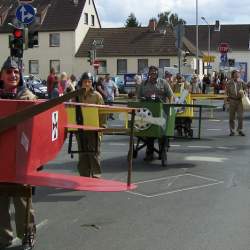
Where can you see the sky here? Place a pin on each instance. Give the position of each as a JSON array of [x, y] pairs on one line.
[[113, 13]]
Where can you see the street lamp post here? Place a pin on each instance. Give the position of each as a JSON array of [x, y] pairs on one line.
[[197, 39], [209, 41]]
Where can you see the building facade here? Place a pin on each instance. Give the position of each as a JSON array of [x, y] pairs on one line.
[[61, 26]]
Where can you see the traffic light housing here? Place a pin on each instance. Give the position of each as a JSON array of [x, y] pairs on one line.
[[91, 56], [16, 43], [185, 54]]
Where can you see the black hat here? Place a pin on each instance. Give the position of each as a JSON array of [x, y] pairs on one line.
[[9, 63]]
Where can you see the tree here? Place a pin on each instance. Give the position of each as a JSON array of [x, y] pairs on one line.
[[174, 20], [169, 19], [132, 21]]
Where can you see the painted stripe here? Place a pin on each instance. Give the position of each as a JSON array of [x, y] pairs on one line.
[[176, 191], [205, 159], [197, 146], [214, 129]]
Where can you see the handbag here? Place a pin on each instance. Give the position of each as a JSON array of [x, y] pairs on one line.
[[245, 102]]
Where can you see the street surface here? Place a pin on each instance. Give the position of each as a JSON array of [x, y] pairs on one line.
[[201, 201]]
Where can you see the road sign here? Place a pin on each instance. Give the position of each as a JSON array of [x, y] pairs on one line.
[[223, 58], [25, 13], [96, 64], [207, 58], [223, 48], [98, 43]]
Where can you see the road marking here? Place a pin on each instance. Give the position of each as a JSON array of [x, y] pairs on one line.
[[214, 120], [197, 146], [117, 144], [206, 159], [214, 129], [38, 227], [160, 179], [185, 189], [229, 148], [176, 191], [175, 145]]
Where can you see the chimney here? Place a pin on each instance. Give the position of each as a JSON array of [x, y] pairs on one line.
[[217, 25], [152, 24]]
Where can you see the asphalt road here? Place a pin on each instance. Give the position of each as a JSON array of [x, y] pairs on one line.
[[201, 201]]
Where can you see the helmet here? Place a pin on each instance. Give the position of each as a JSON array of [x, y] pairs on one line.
[[86, 76]]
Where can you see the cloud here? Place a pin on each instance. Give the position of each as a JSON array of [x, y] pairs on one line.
[[113, 13]]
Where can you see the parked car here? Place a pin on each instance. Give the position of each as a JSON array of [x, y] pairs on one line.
[[119, 80], [37, 86]]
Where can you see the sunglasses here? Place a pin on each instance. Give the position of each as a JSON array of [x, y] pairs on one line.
[[10, 71]]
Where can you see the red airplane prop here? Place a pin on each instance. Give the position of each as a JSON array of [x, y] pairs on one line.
[[33, 142]]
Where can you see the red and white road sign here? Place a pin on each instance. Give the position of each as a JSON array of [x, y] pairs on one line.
[[96, 64], [223, 48]]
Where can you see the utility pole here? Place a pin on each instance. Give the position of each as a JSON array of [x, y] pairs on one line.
[[197, 39]]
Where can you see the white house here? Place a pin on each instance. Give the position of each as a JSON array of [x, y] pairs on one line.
[[236, 36], [61, 26]]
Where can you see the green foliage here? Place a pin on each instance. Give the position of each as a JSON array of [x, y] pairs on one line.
[[169, 19], [132, 21]]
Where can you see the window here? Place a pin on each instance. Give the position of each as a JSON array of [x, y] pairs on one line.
[[102, 68], [142, 66], [121, 66], [86, 18], [56, 65], [54, 40], [164, 63], [33, 67], [92, 20]]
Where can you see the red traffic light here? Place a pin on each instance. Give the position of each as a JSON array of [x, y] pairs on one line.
[[17, 33]]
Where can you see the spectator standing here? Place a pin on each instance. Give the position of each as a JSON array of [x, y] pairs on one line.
[[206, 84], [50, 81], [110, 89], [100, 88], [234, 90]]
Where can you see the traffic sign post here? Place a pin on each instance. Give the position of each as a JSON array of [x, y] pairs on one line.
[[25, 13], [96, 64]]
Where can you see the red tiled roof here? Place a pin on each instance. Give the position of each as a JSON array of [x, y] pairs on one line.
[[236, 35], [139, 41]]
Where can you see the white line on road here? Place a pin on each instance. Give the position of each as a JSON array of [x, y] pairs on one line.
[[176, 191], [160, 179], [206, 159], [197, 146], [186, 189], [214, 129]]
